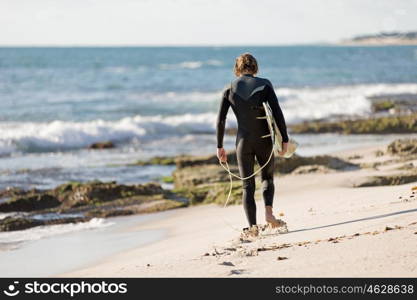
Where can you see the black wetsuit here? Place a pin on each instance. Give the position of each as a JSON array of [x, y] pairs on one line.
[[246, 95]]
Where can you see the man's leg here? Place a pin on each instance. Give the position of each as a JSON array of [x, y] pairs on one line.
[[263, 153], [246, 161]]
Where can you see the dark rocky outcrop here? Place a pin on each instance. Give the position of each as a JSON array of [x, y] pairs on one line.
[[33, 200], [75, 194], [101, 145], [146, 207], [11, 192], [21, 223], [85, 200]]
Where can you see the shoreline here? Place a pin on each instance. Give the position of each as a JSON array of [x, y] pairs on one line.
[[315, 206], [81, 249]]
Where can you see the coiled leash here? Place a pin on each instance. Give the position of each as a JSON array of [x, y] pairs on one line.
[[231, 174]]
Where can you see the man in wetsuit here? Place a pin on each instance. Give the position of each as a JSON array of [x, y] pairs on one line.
[[246, 95]]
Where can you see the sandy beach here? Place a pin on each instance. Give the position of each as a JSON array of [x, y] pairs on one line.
[[335, 229]]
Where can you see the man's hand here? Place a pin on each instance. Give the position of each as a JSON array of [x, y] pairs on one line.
[[221, 155], [284, 149]]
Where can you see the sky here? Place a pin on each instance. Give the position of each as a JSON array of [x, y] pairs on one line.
[[197, 22]]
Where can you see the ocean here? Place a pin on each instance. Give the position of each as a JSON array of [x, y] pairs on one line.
[[153, 101]]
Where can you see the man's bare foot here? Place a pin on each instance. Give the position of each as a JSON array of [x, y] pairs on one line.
[[275, 223], [271, 220]]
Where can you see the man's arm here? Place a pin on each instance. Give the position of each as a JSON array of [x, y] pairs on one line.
[[272, 99], [221, 118]]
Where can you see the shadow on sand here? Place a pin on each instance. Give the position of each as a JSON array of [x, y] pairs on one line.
[[358, 220]]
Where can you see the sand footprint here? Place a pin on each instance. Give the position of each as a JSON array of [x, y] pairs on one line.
[[238, 272]]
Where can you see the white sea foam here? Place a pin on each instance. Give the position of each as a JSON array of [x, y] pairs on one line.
[[6, 147], [297, 103], [40, 232], [176, 97], [62, 135], [190, 64], [214, 62], [315, 103]]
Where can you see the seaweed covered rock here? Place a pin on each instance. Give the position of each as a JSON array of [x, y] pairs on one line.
[[206, 184], [18, 223], [379, 125], [196, 175], [403, 147], [190, 161], [21, 222], [29, 201], [394, 103], [76, 194], [11, 192], [212, 193], [157, 160], [135, 208], [382, 106]]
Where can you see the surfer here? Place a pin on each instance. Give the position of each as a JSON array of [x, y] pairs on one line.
[[246, 95]]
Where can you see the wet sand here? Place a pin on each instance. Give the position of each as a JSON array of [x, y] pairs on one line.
[[64, 252]]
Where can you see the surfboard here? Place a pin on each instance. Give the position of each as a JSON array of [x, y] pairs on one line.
[[276, 135]]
